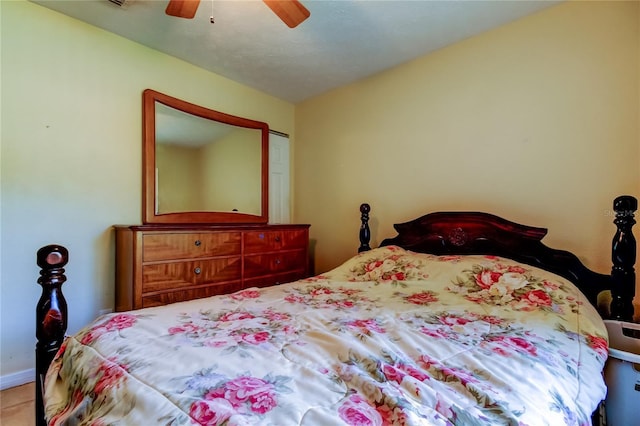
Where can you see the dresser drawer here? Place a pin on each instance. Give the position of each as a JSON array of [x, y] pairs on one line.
[[285, 239], [256, 265], [160, 264], [169, 246], [274, 279], [159, 299], [177, 275]]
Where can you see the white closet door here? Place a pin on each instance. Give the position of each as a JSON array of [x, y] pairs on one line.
[[279, 209]]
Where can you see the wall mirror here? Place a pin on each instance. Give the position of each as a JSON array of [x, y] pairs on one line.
[[202, 166]]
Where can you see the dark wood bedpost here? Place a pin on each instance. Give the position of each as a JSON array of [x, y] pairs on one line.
[[623, 255], [365, 232], [51, 315]]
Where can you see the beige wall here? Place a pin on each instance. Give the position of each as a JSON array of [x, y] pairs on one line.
[[71, 154], [536, 121], [228, 186], [179, 176]]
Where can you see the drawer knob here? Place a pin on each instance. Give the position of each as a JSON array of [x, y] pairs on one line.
[[198, 243], [197, 270], [277, 261], [277, 238]]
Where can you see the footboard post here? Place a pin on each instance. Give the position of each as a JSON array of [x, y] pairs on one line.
[[365, 232], [623, 255], [51, 315]]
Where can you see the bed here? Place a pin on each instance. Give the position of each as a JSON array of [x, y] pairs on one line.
[[463, 318]]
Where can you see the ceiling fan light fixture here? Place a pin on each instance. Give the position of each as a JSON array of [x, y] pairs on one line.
[[291, 12]]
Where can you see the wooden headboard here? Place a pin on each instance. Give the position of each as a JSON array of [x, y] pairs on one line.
[[446, 233]]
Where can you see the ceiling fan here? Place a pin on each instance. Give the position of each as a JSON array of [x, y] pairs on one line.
[[292, 12]]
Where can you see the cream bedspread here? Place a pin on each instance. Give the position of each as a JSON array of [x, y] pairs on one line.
[[390, 337]]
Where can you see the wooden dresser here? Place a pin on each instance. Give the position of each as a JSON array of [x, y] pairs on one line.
[[161, 264]]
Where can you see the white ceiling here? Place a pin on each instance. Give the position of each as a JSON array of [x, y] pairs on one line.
[[342, 41]]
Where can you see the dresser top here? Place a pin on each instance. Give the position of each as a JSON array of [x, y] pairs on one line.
[[210, 227]]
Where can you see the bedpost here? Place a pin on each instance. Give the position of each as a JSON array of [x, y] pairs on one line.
[[365, 232], [623, 255], [51, 315]]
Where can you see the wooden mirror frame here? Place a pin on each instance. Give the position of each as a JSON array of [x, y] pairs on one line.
[[149, 214]]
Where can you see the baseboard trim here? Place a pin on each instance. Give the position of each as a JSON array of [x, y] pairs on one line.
[[16, 379]]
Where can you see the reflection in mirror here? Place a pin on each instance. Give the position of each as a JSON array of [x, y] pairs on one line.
[[201, 165], [205, 165]]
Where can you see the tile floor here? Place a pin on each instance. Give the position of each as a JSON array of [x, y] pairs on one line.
[[18, 406]]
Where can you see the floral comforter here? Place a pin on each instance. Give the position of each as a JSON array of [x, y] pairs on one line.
[[390, 337]]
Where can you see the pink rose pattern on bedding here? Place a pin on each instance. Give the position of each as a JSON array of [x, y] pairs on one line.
[[390, 337]]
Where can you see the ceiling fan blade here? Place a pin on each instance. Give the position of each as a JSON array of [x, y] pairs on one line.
[[182, 8], [292, 12]]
